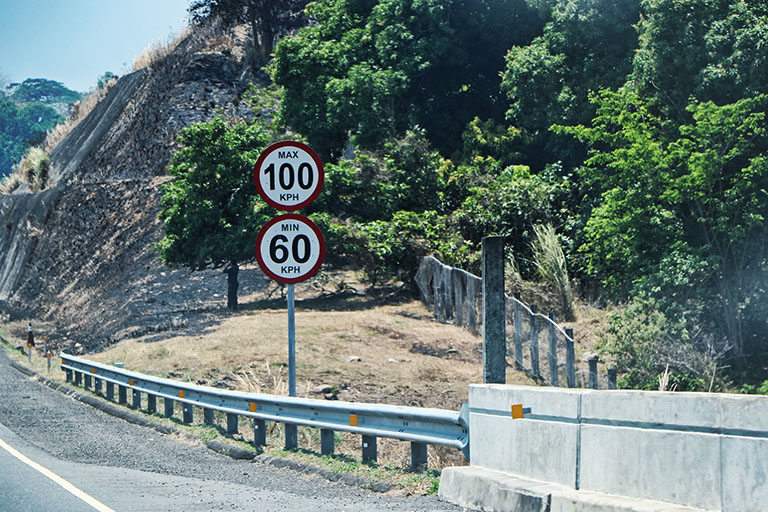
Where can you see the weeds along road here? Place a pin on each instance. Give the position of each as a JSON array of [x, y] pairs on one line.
[[45, 435]]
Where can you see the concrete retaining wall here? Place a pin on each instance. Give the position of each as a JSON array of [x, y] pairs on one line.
[[702, 450]]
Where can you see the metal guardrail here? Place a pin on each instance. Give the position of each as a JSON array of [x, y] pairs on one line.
[[420, 426]]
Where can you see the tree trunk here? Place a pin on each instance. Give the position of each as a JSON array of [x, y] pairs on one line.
[[232, 285]]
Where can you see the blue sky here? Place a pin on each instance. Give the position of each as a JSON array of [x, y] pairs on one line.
[[76, 41]]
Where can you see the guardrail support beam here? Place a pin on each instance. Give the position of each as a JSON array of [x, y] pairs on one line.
[[418, 456], [259, 432], [69, 375], [122, 395], [188, 413], [97, 385], [87, 382], [111, 391], [136, 399], [291, 437], [168, 407], [232, 424], [369, 449], [78, 379], [208, 417], [151, 404], [327, 442]]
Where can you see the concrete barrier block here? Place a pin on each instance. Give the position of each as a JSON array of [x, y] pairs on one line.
[[670, 466], [542, 450], [490, 490], [743, 412], [555, 402], [745, 474]]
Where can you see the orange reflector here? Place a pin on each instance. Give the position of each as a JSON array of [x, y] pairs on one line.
[[93, 370], [130, 382], [353, 420], [517, 411], [181, 393], [252, 407]]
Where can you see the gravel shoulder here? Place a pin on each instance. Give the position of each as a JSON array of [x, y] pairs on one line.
[[68, 430]]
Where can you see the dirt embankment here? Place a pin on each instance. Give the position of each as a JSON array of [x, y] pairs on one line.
[[88, 265]]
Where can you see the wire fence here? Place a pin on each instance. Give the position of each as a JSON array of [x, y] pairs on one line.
[[539, 345]]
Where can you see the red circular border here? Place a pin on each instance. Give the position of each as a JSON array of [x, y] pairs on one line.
[[320, 170], [308, 222]]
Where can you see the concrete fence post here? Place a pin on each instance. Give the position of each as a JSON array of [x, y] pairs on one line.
[[369, 449], [534, 343], [553, 377], [494, 312], [612, 378], [570, 359], [592, 361], [518, 332]]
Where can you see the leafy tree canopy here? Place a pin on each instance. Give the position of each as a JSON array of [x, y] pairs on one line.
[[373, 69], [44, 91]]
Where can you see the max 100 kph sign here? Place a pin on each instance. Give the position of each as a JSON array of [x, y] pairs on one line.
[[290, 248], [289, 175]]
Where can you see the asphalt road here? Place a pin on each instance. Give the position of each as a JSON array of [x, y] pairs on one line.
[[125, 467]]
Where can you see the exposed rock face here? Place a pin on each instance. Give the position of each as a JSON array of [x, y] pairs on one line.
[[80, 254]]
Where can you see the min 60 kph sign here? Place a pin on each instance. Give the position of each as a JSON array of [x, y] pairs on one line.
[[290, 248]]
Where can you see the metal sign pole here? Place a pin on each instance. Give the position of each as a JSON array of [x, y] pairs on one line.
[[291, 342]]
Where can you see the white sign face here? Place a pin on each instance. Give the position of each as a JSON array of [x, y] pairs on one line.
[[289, 175], [290, 248]]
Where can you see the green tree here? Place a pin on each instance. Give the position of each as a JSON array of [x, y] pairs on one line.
[[211, 209], [373, 69], [682, 210], [44, 91]]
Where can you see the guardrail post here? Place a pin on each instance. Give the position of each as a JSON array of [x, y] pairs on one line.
[[111, 391], [168, 407], [291, 437], [231, 423], [369, 449], [518, 333], [592, 361], [418, 456], [612, 378], [188, 413], [534, 343], [553, 377], [494, 312], [136, 399], [87, 384], [69, 375], [208, 417], [97, 385], [570, 359], [151, 403], [259, 432], [78, 379], [327, 442], [122, 395]]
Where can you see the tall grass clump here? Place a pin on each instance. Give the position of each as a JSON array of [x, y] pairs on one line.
[[159, 50], [550, 263], [32, 169]]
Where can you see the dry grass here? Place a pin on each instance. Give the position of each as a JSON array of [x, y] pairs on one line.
[[159, 50]]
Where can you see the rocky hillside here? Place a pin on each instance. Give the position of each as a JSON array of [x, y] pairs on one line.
[[79, 254]]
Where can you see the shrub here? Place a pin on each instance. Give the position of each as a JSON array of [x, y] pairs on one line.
[[550, 263]]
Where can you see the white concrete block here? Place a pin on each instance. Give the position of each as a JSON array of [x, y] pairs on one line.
[[745, 474]]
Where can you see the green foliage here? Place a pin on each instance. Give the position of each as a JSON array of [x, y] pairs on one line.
[[44, 91], [21, 127], [376, 68], [34, 168], [211, 210], [587, 45], [551, 265], [105, 79], [695, 194]]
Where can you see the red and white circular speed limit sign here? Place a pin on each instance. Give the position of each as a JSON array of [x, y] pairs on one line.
[[290, 248], [289, 175]]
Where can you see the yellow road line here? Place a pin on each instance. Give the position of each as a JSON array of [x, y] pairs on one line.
[[56, 478]]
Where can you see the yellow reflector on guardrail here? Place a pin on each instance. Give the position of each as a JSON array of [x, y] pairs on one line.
[[181, 393], [517, 411], [353, 420], [252, 407], [130, 382]]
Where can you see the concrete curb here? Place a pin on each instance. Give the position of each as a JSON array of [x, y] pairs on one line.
[[484, 489], [222, 448]]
